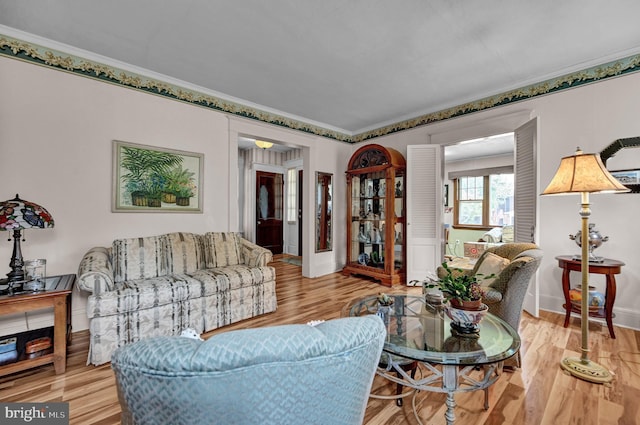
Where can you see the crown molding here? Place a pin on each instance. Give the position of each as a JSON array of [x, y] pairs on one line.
[[97, 67]]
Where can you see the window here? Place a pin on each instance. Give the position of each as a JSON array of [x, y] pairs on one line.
[[292, 195], [483, 201]]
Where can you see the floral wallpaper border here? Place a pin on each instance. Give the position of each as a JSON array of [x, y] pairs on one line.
[[29, 52]]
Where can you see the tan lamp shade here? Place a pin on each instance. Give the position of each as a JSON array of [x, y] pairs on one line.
[[583, 173]]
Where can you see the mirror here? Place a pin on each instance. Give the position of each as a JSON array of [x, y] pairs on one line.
[[324, 208], [624, 167]]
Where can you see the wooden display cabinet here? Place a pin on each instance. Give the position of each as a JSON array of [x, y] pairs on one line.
[[375, 214]]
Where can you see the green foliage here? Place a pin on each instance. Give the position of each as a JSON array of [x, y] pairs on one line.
[[458, 284], [147, 170]]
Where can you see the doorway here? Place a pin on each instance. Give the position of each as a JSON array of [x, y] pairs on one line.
[[269, 210]]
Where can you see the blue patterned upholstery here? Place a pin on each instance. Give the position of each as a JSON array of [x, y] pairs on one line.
[[160, 285], [291, 374]]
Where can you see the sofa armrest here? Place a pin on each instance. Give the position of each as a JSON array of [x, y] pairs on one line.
[[95, 273], [254, 255]]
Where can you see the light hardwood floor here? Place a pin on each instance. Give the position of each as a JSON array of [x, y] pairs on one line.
[[538, 393]]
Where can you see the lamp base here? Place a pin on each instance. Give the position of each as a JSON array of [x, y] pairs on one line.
[[588, 371]]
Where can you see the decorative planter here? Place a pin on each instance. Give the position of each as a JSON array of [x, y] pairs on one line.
[[168, 198], [154, 202], [465, 321], [466, 305], [138, 199], [183, 202]]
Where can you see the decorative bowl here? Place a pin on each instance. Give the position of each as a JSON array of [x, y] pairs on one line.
[[466, 321]]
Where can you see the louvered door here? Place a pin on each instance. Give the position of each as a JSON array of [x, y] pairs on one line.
[[424, 210], [525, 198]]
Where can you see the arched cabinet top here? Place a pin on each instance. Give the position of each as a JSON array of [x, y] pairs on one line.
[[375, 157]]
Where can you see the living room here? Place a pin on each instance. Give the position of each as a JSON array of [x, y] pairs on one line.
[[57, 129]]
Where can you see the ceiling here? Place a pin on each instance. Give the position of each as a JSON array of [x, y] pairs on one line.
[[350, 66]]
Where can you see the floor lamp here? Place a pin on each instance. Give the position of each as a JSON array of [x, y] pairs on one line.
[[584, 174]]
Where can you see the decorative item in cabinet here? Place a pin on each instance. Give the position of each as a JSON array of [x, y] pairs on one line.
[[376, 225]]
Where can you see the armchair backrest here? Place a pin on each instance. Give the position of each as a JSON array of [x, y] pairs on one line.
[[292, 374], [513, 283]]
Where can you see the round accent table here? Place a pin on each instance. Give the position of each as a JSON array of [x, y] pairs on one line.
[[607, 267], [449, 363]]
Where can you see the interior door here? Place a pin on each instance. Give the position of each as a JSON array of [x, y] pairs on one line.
[[269, 209], [525, 199], [424, 210]]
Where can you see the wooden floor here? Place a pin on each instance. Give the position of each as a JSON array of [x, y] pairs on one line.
[[539, 393]]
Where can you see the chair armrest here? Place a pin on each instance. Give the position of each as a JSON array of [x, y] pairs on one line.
[[254, 255], [95, 273], [491, 296]]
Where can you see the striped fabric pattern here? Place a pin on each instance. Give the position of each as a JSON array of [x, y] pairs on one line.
[[186, 295], [139, 258], [222, 249], [95, 271], [185, 252]]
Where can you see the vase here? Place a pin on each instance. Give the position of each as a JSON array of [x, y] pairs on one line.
[[595, 301], [383, 312]]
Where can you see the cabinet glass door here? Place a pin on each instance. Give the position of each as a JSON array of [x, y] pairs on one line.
[[398, 223], [368, 219]]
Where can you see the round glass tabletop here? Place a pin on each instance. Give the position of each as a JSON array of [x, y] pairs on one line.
[[421, 331]]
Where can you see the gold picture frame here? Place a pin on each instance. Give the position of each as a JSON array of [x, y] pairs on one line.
[[155, 179]]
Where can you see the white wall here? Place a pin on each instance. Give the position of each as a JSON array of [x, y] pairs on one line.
[[591, 117], [56, 132]]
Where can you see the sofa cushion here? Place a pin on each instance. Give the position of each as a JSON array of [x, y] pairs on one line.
[[222, 249], [184, 252], [139, 258], [142, 294]]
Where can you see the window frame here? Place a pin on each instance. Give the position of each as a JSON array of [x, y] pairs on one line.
[[292, 196], [485, 204]]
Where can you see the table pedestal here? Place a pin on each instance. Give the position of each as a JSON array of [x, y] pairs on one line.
[[449, 379]]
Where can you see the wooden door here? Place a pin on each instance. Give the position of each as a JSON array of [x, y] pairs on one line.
[[269, 209]]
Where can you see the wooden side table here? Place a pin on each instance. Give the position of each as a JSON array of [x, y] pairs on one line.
[[608, 267], [57, 294]]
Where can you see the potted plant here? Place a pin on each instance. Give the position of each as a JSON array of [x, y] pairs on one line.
[[143, 170], [462, 290], [177, 179]]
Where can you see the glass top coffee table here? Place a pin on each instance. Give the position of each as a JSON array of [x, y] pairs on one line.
[[418, 331]]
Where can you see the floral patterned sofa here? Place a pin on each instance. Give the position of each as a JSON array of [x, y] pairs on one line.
[[160, 285]]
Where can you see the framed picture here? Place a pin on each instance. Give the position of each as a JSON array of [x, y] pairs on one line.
[[153, 179], [629, 178]]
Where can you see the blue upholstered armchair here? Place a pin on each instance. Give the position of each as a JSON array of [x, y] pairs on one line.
[[291, 374]]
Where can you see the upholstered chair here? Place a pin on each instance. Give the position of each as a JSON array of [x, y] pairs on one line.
[[290, 374], [513, 264]]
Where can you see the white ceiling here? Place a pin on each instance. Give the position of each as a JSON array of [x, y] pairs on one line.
[[348, 65]]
